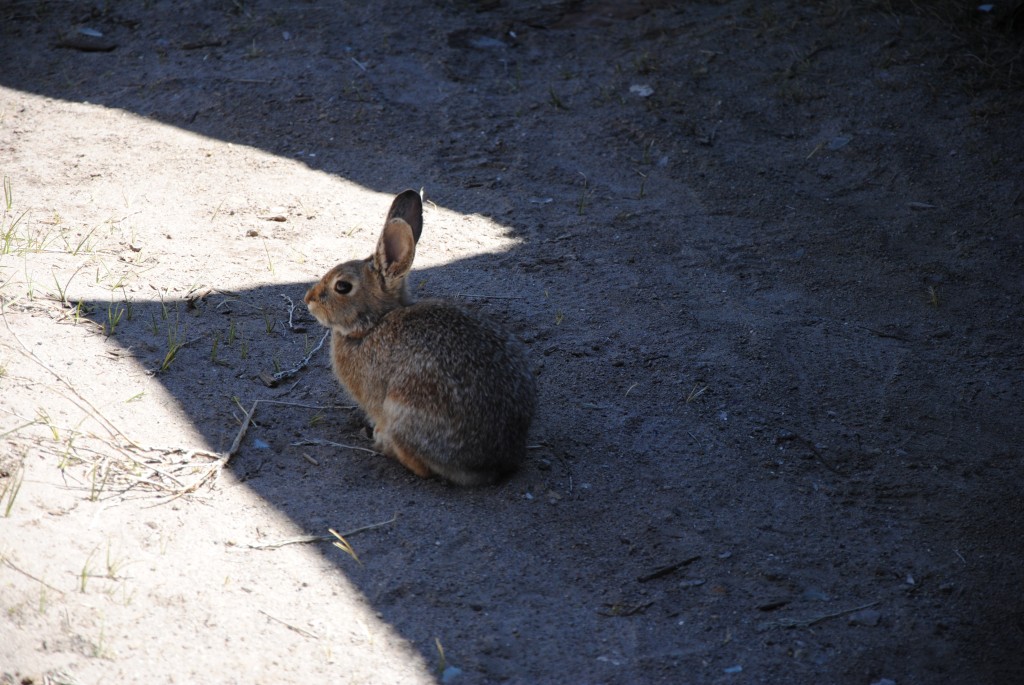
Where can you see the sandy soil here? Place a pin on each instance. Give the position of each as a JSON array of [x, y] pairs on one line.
[[767, 258]]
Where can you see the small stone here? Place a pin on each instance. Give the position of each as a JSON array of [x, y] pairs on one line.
[[814, 594], [86, 40], [865, 617], [838, 142], [486, 43], [450, 673]]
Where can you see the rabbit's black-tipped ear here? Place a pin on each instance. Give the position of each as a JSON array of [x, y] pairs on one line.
[[409, 207]]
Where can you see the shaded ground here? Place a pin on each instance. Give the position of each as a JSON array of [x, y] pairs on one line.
[[767, 258]]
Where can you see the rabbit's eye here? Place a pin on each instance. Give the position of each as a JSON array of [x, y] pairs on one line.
[[342, 287]]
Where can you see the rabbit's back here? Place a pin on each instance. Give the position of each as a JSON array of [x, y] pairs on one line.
[[451, 387]]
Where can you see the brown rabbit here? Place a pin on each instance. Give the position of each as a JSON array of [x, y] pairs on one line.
[[447, 392]]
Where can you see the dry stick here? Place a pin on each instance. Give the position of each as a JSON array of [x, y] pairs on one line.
[[303, 539], [139, 480], [308, 406], [301, 631], [808, 622], [665, 570], [487, 297], [272, 380], [291, 312], [10, 564], [281, 375], [317, 441], [241, 434], [618, 610], [124, 474], [189, 452], [15, 430], [128, 455]]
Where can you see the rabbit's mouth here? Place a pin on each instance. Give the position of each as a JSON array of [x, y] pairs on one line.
[[314, 309], [318, 311], [345, 328]]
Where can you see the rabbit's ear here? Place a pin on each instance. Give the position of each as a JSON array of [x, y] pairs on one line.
[[395, 249], [409, 207]]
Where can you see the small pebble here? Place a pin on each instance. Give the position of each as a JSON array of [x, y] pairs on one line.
[[450, 673], [814, 594], [838, 142], [865, 617]]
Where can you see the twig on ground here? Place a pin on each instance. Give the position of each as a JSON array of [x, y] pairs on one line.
[[10, 564], [486, 297], [665, 570], [271, 380], [241, 434], [139, 462], [328, 443], [618, 609], [291, 313], [808, 622], [301, 631], [304, 539]]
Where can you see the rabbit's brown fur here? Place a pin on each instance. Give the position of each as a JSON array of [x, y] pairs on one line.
[[447, 392]]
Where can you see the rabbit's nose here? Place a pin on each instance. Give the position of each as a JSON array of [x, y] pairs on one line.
[[310, 294]]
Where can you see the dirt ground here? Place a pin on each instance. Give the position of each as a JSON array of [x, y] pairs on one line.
[[767, 258]]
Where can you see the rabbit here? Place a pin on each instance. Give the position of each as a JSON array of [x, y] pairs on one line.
[[447, 393]]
